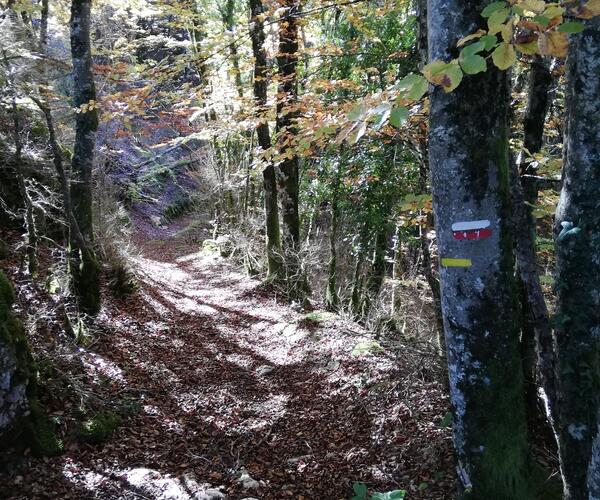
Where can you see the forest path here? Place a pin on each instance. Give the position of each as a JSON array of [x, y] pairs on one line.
[[232, 394]]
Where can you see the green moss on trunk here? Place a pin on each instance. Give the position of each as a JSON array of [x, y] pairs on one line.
[[29, 425], [85, 271]]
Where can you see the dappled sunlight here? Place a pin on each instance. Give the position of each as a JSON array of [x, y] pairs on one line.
[[167, 423], [82, 476], [98, 366]]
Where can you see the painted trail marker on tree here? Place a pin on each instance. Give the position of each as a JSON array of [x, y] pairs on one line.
[[453, 262], [471, 230]]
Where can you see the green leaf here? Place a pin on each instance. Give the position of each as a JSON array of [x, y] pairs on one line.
[[552, 12], [542, 20], [493, 7], [474, 48], [390, 495], [496, 20], [360, 491], [571, 27], [448, 75], [518, 10], [398, 116], [490, 41], [414, 85], [504, 56], [472, 64]]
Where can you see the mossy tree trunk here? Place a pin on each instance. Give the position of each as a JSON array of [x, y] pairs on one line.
[[14, 364], [21, 418], [468, 158], [332, 300], [287, 97], [260, 85], [84, 264], [578, 273]]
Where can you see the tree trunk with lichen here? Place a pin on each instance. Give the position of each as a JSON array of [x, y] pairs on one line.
[[287, 98], [260, 84], [21, 417], [14, 360], [84, 265], [468, 158], [577, 244]]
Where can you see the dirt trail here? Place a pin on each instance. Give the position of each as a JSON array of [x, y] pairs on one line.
[[236, 395]]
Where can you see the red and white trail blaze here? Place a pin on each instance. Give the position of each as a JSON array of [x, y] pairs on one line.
[[471, 230]]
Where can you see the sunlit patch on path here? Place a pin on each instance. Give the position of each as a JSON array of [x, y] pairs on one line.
[[237, 395]]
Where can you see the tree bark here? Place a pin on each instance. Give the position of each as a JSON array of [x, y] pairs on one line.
[[84, 266], [332, 300], [228, 15], [536, 329], [260, 85], [44, 27], [15, 361], [287, 97], [577, 244], [468, 158]]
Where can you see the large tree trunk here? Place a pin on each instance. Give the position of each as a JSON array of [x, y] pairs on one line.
[[468, 158], [14, 363], [84, 265], [578, 273], [287, 97], [260, 85], [21, 416]]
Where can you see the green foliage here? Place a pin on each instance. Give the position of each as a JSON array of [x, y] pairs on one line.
[[571, 27], [470, 60], [100, 427], [317, 317], [367, 347], [40, 433], [361, 492]]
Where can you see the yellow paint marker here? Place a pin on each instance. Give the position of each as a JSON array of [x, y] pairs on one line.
[[449, 262]]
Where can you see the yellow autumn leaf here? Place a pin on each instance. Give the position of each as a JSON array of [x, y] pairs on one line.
[[535, 6], [504, 56], [507, 32], [530, 48], [553, 43], [589, 10], [496, 21]]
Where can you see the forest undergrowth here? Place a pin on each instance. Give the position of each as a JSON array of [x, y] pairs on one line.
[[203, 384]]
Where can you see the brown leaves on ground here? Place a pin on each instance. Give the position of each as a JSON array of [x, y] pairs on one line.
[[226, 389]]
